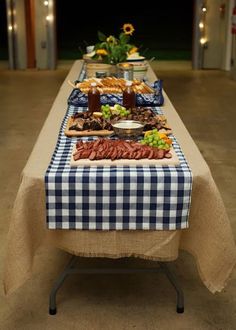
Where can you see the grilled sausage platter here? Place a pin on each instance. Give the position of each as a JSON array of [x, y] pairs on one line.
[[105, 151]]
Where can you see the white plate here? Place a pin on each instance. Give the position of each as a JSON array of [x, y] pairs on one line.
[[134, 59]]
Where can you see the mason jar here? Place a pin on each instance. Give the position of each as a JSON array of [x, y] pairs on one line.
[[125, 70]]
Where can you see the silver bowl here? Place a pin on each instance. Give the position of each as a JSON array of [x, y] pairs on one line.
[[128, 128]]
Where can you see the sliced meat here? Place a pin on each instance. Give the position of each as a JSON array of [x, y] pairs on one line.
[[161, 153], [95, 125], [117, 149], [168, 155], [92, 155]]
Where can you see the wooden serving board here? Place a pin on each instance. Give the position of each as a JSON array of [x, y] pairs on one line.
[[174, 161], [71, 133]]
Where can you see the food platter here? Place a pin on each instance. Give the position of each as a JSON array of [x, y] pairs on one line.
[[84, 124], [113, 85], [71, 132], [173, 161], [111, 91]]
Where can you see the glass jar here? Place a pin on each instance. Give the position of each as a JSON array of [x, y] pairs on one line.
[[94, 104], [125, 70], [129, 97]]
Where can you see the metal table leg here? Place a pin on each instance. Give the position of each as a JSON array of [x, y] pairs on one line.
[[173, 280], [70, 269], [58, 283]]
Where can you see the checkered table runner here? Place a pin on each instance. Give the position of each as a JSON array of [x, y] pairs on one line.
[[115, 197]]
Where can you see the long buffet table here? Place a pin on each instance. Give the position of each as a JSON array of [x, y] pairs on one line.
[[209, 237]]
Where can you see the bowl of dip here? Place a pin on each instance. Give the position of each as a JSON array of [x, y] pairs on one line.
[[128, 128]]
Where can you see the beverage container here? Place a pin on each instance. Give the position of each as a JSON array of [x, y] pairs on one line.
[[94, 104], [125, 70], [129, 99]]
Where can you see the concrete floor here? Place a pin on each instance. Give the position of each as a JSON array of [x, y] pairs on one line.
[[206, 103]]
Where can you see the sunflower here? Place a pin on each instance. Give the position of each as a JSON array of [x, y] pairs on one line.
[[128, 29], [111, 40], [101, 51], [133, 50]]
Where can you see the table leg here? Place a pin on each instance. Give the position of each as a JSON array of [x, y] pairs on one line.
[[58, 283], [173, 280], [70, 269]]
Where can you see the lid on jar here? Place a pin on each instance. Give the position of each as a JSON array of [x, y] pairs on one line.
[[125, 66]]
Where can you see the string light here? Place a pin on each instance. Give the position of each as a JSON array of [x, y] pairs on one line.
[[201, 25], [10, 27], [49, 18], [45, 3]]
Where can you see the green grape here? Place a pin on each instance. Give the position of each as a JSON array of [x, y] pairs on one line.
[[106, 111]]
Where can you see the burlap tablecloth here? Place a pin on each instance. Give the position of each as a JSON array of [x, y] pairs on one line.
[[209, 238]]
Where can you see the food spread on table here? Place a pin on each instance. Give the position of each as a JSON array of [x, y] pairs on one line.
[[117, 149], [100, 123], [155, 145], [155, 149], [113, 85]]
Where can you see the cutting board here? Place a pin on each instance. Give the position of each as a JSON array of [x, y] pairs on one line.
[[174, 161], [71, 133], [103, 132]]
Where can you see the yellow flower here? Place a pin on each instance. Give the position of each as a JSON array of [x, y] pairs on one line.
[[133, 50], [111, 40], [128, 29], [101, 52]]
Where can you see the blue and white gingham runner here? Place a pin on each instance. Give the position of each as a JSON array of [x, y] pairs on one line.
[[115, 197]]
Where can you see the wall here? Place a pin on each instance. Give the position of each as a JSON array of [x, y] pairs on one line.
[[217, 53], [16, 34], [40, 35], [233, 68], [45, 35]]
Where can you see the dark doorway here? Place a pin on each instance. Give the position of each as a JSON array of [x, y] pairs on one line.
[[165, 32], [3, 33]]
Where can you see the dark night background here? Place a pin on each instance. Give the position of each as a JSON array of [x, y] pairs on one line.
[[164, 32], [3, 31]]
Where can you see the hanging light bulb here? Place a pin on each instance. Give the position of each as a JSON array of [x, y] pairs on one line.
[[10, 27], [45, 3], [203, 41], [204, 9]]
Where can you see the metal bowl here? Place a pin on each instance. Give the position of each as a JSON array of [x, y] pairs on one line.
[[128, 128]]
